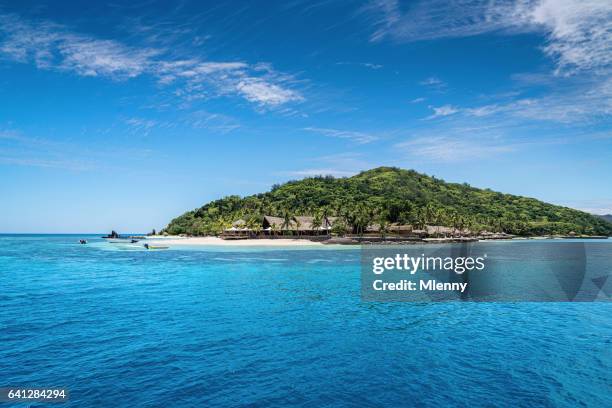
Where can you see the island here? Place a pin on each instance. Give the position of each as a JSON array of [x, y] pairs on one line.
[[383, 204]]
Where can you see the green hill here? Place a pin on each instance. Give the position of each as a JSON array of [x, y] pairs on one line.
[[393, 195]]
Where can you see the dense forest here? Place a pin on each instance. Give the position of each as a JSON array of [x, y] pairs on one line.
[[391, 195]]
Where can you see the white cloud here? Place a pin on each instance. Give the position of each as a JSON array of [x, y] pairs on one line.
[[141, 126], [580, 103], [433, 19], [369, 65], [578, 33], [441, 111], [215, 122], [265, 93], [358, 137], [451, 149], [50, 46], [53, 47], [194, 69], [90, 57], [432, 82], [321, 172]]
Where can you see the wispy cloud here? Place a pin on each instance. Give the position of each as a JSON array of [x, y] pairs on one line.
[[343, 164], [215, 122], [441, 111], [452, 149], [578, 32], [433, 82], [358, 137], [54, 47], [320, 172], [141, 126], [195, 119], [369, 65], [580, 102], [264, 93], [433, 19], [51, 46]]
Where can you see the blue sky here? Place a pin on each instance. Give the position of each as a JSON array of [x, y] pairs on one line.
[[124, 116]]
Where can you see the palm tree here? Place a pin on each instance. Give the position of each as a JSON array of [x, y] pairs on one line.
[[348, 216], [420, 218], [297, 226], [384, 227], [256, 228], [430, 214], [441, 218], [455, 221], [286, 220], [317, 221], [340, 227], [222, 225], [252, 223]]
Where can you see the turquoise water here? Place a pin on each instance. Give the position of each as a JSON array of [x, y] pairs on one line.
[[220, 328]]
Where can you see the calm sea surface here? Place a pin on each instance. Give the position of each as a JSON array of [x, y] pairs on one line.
[[226, 327]]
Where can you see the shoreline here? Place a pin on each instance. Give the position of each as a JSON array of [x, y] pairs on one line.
[[178, 241], [216, 241]]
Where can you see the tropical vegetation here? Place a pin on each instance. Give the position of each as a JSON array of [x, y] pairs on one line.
[[387, 195]]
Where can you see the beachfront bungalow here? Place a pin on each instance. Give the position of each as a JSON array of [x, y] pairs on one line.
[[275, 225], [297, 225], [373, 228], [439, 231], [304, 225], [238, 230], [400, 229]]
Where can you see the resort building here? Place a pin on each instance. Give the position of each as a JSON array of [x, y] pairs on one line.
[[298, 225], [277, 226], [238, 229], [308, 226]]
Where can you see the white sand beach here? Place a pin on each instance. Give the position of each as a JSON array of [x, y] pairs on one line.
[[215, 241]]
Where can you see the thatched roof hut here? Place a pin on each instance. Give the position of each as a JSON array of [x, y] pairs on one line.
[[304, 223], [400, 229], [373, 228], [239, 223], [276, 223], [438, 230], [299, 223]]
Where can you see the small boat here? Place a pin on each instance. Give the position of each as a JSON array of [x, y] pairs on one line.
[[112, 235], [82, 241], [149, 246]]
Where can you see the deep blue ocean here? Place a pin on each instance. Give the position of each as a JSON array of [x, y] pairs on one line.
[[227, 327]]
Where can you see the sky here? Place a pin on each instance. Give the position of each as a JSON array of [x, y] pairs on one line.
[[123, 115]]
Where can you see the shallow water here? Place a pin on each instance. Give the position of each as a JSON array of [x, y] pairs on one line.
[[228, 327]]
